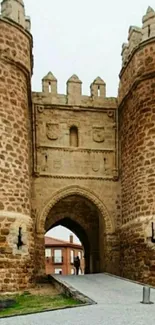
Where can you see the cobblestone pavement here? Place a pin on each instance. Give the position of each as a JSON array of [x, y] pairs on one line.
[[118, 304]]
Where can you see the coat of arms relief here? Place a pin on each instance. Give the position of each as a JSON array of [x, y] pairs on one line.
[[98, 134], [52, 131]]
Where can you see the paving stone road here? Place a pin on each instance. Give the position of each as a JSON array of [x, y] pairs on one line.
[[118, 303]]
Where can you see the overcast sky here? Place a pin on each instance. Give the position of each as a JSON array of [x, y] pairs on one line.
[[83, 37]]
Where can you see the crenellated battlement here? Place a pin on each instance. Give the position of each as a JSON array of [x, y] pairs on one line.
[[74, 96], [15, 10], [84, 162], [137, 35]]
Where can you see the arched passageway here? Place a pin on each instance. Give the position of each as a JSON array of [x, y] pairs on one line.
[[81, 216], [81, 212], [82, 236]]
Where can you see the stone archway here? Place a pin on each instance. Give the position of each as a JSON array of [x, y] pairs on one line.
[[83, 213], [75, 190], [81, 234]]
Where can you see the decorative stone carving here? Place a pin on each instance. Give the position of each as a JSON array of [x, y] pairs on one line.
[[52, 131], [40, 108], [95, 162], [110, 113], [98, 134], [95, 165]]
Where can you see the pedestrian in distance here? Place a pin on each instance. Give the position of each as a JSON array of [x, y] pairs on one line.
[[77, 264]]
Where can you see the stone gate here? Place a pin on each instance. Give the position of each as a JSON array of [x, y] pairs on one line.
[[76, 168], [85, 162]]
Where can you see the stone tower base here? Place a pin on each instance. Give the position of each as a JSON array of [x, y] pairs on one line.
[[16, 265]]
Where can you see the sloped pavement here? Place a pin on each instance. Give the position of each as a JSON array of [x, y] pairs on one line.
[[118, 303]]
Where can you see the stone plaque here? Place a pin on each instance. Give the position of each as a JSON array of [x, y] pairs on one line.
[[98, 134], [52, 131]]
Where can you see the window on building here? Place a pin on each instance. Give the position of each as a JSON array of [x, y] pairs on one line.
[[58, 271], [72, 271], [99, 91], [58, 256], [72, 256], [48, 252], [49, 87], [80, 255], [74, 141]]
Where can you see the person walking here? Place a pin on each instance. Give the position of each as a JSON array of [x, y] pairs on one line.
[[77, 264]]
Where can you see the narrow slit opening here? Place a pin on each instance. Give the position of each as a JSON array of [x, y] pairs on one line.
[[49, 87]]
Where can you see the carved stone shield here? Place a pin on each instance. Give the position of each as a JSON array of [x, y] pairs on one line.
[[52, 131], [95, 165], [98, 134]]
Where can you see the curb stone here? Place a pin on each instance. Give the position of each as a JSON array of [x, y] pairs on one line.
[[70, 291]]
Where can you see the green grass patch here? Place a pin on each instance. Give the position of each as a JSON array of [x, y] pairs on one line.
[[28, 303]]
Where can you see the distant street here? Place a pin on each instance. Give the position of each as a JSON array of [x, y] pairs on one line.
[[118, 303]]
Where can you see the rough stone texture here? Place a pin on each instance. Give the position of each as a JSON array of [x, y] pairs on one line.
[[63, 161], [16, 266], [75, 181], [137, 142]]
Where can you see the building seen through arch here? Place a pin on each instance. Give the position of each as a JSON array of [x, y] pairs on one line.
[[60, 255]]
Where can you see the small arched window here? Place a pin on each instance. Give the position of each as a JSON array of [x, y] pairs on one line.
[[99, 91], [74, 141], [49, 87]]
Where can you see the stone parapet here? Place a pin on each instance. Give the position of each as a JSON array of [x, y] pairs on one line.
[[16, 45], [140, 66], [14, 10], [137, 39], [74, 97]]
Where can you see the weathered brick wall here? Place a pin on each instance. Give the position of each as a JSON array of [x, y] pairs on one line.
[[137, 142], [15, 70]]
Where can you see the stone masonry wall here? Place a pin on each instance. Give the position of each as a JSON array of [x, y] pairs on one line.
[[91, 165], [137, 142], [16, 266], [45, 188]]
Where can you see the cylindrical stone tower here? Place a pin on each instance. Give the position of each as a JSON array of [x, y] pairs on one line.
[[16, 227], [137, 145]]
